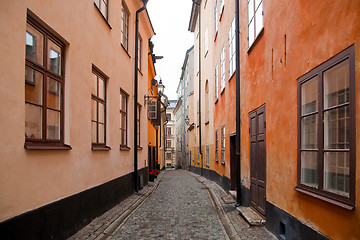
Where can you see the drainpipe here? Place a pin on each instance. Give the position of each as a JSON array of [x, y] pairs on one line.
[[238, 120], [202, 167], [136, 98]]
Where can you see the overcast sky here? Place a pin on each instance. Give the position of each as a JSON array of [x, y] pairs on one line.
[[170, 19]]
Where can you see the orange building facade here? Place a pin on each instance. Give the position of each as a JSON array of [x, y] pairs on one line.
[[299, 67], [67, 150]]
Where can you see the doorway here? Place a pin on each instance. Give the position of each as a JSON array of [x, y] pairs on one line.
[[258, 159], [233, 164]]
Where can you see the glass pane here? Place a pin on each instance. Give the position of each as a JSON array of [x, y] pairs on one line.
[[309, 169], [337, 128], [101, 133], [33, 86], [309, 96], [123, 123], [53, 94], [94, 132], [101, 113], [103, 8], [101, 89], [336, 85], [257, 2], [34, 44], [259, 20], [94, 89], [337, 172], [93, 110], [250, 10], [123, 102], [33, 121], [53, 125], [251, 32], [54, 58], [309, 139]]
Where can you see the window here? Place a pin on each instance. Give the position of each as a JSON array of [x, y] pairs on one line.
[[168, 116], [223, 144], [222, 3], [255, 19], [232, 49], [123, 118], [138, 124], [197, 26], [98, 109], [198, 113], [216, 82], [215, 18], [206, 42], [44, 87], [222, 69], [125, 27], [168, 131], [168, 144], [139, 52], [207, 101], [102, 5], [207, 156], [326, 128], [216, 146], [168, 155], [198, 155]]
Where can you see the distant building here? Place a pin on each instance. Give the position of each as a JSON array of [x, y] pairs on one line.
[[170, 135]]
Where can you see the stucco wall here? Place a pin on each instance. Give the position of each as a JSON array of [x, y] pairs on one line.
[[315, 31], [30, 179]]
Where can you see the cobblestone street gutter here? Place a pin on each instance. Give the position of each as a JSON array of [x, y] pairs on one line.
[[102, 227], [236, 227]]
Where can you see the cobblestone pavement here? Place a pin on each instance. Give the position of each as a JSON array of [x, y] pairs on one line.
[[178, 205], [181, 208]]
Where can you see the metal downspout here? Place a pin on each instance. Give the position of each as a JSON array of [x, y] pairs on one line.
[[238, 104], [136, 98]]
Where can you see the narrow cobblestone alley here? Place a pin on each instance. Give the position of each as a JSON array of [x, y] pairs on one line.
[[181, 208], [178, 205]]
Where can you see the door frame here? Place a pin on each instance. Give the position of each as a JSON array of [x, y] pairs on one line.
[[233, 165]]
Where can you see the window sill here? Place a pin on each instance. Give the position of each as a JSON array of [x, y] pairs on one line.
[[216, 100], [126, 51], [100, 148], [223, 163], [139, 148], [325, 199], [232, 75], [257, 39], [221, 12], [102, 16], [125, 148], [207, 122], [206, 53], [215, 37], [46, 146], [222, 91]]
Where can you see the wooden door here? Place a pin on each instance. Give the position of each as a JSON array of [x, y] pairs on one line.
[[258, 159], [233, 163]]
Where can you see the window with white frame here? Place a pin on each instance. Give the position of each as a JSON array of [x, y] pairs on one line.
[[125, 26], [207, 156], [206, 41], [222, 70], [232, 49], [216, 82], [216, 146], [215, 18], [222, 3], [255, 19], [223, 144]]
